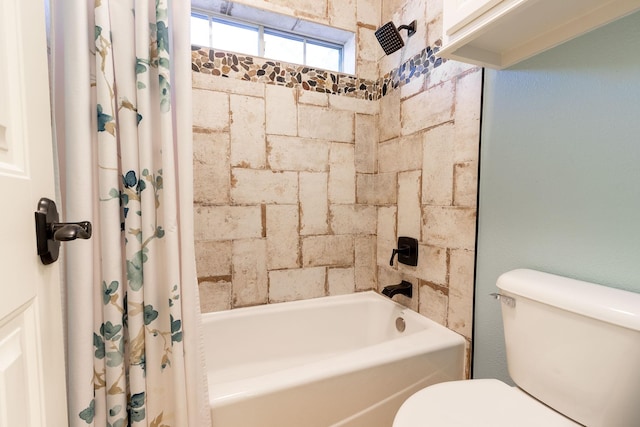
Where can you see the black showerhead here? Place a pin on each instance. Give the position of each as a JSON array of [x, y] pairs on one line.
[[389, 36]]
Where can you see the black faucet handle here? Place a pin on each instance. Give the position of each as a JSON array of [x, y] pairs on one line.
[[400, 250], [407, 251]]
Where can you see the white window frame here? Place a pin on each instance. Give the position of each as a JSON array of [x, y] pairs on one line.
[[262, 29]]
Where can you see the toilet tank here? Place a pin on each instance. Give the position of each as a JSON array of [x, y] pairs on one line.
[[574, 345]]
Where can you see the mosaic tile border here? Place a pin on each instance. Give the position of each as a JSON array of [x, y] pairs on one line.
[[248, 68]]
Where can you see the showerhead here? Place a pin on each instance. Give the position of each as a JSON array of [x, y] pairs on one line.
[[389, 36]]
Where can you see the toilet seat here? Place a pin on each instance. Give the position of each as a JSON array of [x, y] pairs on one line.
[[476, 403]]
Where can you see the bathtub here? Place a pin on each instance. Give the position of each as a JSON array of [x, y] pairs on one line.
[[331, 361]]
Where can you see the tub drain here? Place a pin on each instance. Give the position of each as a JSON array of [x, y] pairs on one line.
[[400, 324]]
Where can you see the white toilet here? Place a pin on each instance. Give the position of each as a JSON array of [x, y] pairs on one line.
[[573, 349]]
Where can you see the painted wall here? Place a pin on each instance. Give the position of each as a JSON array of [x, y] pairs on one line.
[[560, 173]]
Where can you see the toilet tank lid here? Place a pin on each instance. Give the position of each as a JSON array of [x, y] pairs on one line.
[[611, 305]]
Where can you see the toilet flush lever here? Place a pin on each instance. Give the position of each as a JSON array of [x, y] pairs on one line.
[[507, 300]]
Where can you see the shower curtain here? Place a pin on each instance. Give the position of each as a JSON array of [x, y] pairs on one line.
[[122, 111]]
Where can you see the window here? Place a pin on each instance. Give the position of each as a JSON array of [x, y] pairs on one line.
[[255, 39]]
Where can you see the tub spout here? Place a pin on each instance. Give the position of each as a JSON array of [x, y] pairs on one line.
[[403, 288]]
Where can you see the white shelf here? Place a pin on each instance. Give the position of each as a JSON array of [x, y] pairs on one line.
[[498, 34]]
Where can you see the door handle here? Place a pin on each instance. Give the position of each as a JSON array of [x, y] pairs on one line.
[[50, 232]]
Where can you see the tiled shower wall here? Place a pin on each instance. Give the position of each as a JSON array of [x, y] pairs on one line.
[[301, 194], [276, 212]]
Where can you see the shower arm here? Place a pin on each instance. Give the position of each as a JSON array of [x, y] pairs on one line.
[[411, 28]]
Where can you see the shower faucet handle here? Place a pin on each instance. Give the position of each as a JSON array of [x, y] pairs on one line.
[[400, 250], [407, 251]]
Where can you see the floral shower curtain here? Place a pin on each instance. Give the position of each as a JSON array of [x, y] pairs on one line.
[[122, 107]]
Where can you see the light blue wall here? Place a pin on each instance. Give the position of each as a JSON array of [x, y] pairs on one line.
[[560, 172]]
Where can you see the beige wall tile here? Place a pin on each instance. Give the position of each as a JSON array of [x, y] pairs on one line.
[[334, 251], [250, 280], [468, 92], [409, 212], [433, 303], [366, 69], [249, 186], [447, 72], [368, 47], [416, 85], [365, 263], [324, 123], [410, 152], [433, 264], [356, 105], [386, 63], [468, 354], [386, 188], [365, 188], [389, 8], [434, 26], [429, 108], [297, 154], [460, 312], [378, 189], [314, 208], [248, 145], [215, 296], [388, 160], [434, 10], [281, 110], [401, 154], [291, 285], [342, 173], [353, 219], [213, 258], [222, 84], [368, 12], [437, 166], [390, 124], [341, 281], [210, 110], [387, 236], [312, 98], [342, 14], [211, 174], [227, 222], [283, 244], [366, 143], [451, 227], [465, 184], [306, 8]]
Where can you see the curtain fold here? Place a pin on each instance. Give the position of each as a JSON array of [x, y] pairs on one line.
[[134, 346]]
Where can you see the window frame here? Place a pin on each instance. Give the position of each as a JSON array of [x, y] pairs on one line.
[[265, 29]]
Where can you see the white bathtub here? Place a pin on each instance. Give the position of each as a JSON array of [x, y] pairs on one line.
[[333, 361]]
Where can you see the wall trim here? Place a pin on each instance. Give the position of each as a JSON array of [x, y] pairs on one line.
[[261, 70]]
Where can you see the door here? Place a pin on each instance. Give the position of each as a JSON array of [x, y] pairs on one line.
[[32, 368]]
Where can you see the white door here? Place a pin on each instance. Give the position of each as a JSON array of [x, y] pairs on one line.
[[32, 371]]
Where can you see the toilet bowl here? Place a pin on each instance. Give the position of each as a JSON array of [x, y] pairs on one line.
[[477, 403], [573, 350]]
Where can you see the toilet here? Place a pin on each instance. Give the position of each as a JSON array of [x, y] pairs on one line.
[[573, 351]]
